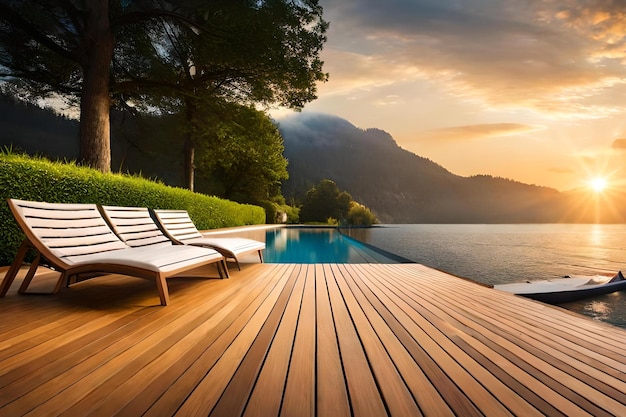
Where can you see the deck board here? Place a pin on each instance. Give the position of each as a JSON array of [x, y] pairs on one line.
[[316, 340]]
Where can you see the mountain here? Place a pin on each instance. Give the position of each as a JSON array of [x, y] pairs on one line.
[[401, 187], [137, 145], [29, 128]]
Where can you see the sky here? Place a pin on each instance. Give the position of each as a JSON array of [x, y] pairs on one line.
[[530, 90]]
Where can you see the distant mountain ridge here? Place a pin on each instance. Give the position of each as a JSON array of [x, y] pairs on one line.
[[401, 187]]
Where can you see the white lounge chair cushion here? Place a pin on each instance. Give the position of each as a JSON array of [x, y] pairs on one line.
[[152, 258], [234, 245]]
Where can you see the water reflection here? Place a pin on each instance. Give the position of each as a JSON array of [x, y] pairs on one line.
[[598, 309], [608, 308], [596, 236], [359, 233]]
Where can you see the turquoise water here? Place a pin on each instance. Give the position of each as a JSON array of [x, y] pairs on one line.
[[497, 254], [316, 245]]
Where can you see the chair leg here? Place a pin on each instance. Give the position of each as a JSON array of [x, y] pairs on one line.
[[164, 294], [261, 256], [15, 267], [30, 274], [64, 278], [224, 268]]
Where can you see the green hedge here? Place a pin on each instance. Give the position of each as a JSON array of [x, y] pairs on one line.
[[38, 179]]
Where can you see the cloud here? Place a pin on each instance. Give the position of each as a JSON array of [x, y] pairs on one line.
[[557, 58], [479, 131], [602, 21], [619, 144], [567, 171]]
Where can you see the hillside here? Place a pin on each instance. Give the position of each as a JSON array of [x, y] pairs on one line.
[[401, 187]]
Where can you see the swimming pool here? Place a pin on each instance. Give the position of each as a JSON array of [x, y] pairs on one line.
[[310, 245]]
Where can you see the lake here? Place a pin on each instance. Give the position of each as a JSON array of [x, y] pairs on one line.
[[496, 254]]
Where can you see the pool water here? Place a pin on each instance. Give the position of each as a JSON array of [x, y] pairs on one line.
[[318, 245]]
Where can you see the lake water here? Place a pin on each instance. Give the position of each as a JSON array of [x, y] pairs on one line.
[[497, 254]]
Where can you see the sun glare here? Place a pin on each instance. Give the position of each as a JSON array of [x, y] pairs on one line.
[[598, 184]]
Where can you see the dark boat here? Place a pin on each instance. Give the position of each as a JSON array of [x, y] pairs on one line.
[[564, 290]]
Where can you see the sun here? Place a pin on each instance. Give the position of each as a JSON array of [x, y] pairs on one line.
[[598, 184]]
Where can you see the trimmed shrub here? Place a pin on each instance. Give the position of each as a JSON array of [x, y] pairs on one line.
[[39, 179]]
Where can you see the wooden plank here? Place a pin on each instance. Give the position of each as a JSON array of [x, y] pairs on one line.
[[589, 333], [397, 397], [563, 334], [556, 326], [44, 353], [573, 392], [233, 400], [355, 333], [332, 394], [501, 372], [486, 392], [300, 389], [546, 387], [137, 392], [393, 389], [457, 385], [267, 395], [364, 395], [207, 392], [556, 343], [119, 360], [164, 394], [427, 395], [564, 354]]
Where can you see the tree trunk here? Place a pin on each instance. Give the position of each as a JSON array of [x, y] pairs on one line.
[[189, 165], [95, 129]]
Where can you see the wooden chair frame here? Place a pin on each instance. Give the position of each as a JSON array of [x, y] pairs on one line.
[[178, 226], [75, 239]]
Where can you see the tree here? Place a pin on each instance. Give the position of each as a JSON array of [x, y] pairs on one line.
[[267, 52], [66, 49], [323, 202], [73, 48], [240, 152], [359, 215]]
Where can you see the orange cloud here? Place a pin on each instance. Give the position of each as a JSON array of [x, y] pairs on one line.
[[562, 170], [479, 131], [546, 56], [619, 144]]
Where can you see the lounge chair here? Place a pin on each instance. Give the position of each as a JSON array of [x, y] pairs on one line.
[[136, 227], [179, 227], [75, 239]]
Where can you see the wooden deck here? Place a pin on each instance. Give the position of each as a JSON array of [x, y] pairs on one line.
[[304, 340]]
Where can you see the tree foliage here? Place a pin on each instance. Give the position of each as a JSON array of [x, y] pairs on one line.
[[265, 52], [325, 201], [240, 155], [359, 215], [160, 55]]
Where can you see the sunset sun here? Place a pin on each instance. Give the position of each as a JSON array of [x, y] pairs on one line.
[[598, 184]]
